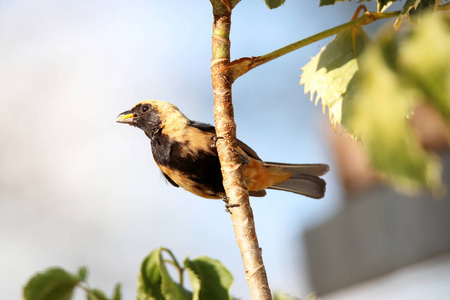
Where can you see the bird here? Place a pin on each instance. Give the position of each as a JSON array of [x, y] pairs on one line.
[[185, 152]]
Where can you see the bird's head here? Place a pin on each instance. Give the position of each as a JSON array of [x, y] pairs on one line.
[[152, 115]]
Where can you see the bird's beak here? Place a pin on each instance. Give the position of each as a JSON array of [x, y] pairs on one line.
[[127, 117]]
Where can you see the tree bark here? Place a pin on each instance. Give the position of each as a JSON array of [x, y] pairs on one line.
[[230, 160]]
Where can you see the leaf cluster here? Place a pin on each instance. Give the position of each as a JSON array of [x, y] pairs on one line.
[[371, 87], [208, 277], [409, 9]]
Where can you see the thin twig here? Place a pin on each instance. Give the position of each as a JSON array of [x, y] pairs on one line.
[[241, 66], [174, 262]]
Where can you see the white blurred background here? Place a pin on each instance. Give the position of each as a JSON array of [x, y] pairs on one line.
[[77, 189]]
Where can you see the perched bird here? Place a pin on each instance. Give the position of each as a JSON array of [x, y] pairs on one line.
[[186, 153]]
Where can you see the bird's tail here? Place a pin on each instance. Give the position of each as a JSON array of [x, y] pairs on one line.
[[304, 180]]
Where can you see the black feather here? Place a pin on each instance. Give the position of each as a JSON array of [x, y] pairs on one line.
[[203, 168], [170, 180], [203, 126]]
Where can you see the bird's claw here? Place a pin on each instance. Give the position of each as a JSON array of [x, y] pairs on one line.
[[228, 205], [214, 140]]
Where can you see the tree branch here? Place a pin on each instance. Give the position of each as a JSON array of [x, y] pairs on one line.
[[230, 160]]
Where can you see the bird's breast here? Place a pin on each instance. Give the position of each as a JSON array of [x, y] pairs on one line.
[[191, 163]]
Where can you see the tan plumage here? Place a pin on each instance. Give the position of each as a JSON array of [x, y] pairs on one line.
[[185, 152]]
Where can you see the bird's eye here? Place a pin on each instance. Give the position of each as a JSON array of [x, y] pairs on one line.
[[144, 108]]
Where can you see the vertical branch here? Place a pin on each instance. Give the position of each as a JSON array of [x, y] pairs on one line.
[[230, 160]]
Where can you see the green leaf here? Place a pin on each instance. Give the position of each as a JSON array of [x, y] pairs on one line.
[[117, 295], [154, 281], [424, 58], [82, 273], [330, 2], [380, 120], [209, 278], [172, 290], [52, 284], [333, 73], [274, 3], [414, 7], [150, 278], [409, 4], [96, 294], [383, 4]]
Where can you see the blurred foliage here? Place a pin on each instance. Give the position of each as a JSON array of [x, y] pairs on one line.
[[424, 59], [374, 92], [59, 284], [379, 118], [274, 3]]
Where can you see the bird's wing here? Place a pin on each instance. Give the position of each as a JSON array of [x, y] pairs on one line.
[[203, 126], [249, 151], [209, 128]]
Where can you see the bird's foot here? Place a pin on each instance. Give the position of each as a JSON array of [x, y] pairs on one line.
[[214, 140], [228, 205]]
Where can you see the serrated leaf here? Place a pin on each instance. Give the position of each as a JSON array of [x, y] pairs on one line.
[[274, 3], [96, 294], [209, 278], [383, 4], [424, 58], [331, 75], [409, 5], [380, 120], [154, 281], [52, 284]]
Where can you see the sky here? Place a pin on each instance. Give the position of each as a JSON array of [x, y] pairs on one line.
[[77, 189]]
